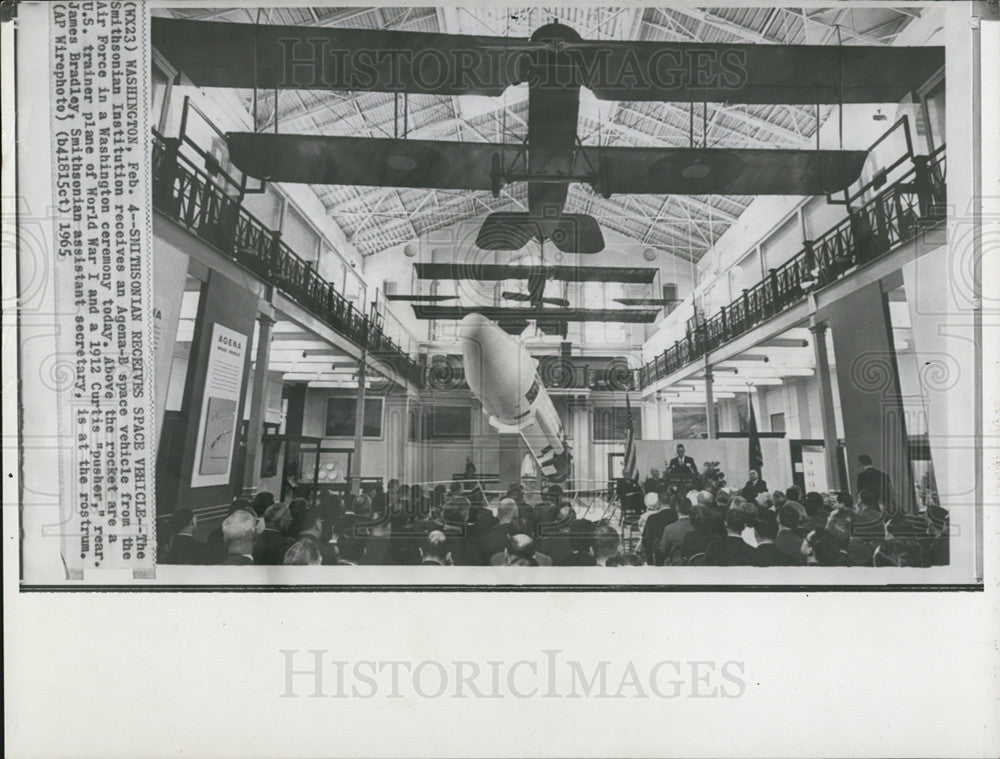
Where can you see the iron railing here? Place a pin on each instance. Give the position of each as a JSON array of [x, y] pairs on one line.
[[916, 201], [554, 373], [188, 195]]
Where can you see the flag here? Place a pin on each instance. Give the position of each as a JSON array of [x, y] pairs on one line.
[[629, 467], [756, 455]]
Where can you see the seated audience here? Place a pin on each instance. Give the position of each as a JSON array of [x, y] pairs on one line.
[[869, 521], [702, 532], [897, 553], [754, 486], [239, 531], [304, 552], [625, 560], [547, 511], [556, 538], [607, 543], [821, 548], [262, 501], [766, 554], [495, 540], [525, 512], [672, 537], [519, 549], [788, 541], [654, 483], [184, 548], [273, 542], [215, 546], [732, 550], [434, 550], [749, 511], [855, 552], [349, 539], [859, 553], [463, 543], [816, 513], [582, 543], [715, 526], [658, 518], [319, 530], [298, 508]]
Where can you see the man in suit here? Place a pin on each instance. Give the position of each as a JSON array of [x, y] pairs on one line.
[[184, 548], [754, 487], [495, 540], [463, 542], [869, 519], [607, 542], [273, 542], [659, 516], [556, 539], [315, 530], [654, 483], [681, 464], [732, 550], [672, 538], [874, 480], [766, 554], [525, 511], [788, 542], [238, 533], [520, 548]]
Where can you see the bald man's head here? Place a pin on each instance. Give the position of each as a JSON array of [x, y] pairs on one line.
[[239, 531], [507, 510], [520, 547], [435, 547]]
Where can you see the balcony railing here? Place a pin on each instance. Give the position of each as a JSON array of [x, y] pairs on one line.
[[554, 373], [916, 201], [188, 195]]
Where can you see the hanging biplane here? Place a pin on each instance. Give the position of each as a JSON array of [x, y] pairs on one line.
[[555, 62], [550, 314]]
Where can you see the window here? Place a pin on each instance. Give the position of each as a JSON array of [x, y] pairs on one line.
[[609, 424], [340, 417], [448, 423], [777, 422]]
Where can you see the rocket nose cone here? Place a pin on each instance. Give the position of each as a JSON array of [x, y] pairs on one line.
[[474, 326], [485, 349]]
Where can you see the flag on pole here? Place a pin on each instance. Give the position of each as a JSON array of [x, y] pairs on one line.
[[629, 468], [756, 455]]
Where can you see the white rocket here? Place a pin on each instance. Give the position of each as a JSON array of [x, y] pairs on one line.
[[504, 378]]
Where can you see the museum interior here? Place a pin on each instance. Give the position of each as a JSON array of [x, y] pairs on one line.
[[634, 286]]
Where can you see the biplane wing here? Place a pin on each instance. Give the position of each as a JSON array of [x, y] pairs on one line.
[[627, 316], [722, 171], [500, 272], [382, 162], [376, 162], [214, 54], [222, 54]]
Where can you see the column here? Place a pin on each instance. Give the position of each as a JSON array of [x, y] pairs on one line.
[[827, 415], [258, 405], [710, 403], [359, 425], [868, 381]]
